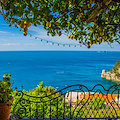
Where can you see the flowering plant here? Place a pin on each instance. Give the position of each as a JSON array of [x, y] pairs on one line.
[[6, 90]]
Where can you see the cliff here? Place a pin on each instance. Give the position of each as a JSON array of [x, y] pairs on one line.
[[113, 74]]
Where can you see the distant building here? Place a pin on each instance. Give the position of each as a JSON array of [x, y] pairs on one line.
[[72, 97]]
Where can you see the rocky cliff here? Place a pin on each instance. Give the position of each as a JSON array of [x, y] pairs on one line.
[[113, 74]]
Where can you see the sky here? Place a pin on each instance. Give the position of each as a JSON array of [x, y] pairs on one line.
[[12, 39]]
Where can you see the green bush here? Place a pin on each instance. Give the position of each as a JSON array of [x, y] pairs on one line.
[[40, 98], [6, 90], [37, 102]]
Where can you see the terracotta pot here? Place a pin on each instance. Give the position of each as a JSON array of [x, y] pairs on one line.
[[5, 111]]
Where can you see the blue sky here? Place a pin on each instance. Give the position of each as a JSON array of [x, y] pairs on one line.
[[12, 39]]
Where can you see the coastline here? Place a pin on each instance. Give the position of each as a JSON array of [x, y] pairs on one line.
[[109, 76]]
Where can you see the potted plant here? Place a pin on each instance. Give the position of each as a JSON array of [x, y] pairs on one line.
[[6, 98]]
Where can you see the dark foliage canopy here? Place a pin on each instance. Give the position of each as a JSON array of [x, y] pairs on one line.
[[88, 21]]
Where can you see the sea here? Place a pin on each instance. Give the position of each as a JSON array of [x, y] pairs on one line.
[[58, 69]]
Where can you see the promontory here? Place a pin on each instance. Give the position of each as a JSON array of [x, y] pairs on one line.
[[113, 74]]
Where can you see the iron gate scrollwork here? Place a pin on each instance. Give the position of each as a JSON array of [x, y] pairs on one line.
[[72, 102]]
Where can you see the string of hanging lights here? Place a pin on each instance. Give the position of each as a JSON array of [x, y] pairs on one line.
[[47, 41], [52, 42], [55, 43]]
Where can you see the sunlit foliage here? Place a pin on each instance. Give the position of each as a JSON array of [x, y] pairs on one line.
[[88, 21]]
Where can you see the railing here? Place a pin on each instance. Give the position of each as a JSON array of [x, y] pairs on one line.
[[73, 102]]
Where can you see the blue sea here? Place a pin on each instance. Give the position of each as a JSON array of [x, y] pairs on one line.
[[57, 68]]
